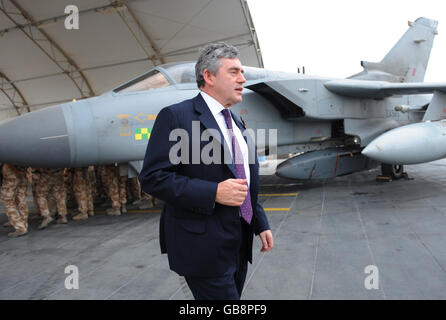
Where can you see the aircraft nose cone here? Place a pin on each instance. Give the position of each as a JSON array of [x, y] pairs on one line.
[[36, 139], [370, 151], [380, 149], [410, 144]]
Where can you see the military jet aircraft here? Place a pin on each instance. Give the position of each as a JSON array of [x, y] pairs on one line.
[[325, 127]]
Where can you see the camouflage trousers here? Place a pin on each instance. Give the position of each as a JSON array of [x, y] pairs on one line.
[[91, 179], [68, 182], [123, 189], [51, 182], [35, 180], [14, 189], [101, 180], [83, 191], [112, 186], [135, 188]]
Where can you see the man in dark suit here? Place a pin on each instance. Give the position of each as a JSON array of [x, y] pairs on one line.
[[212, 210]]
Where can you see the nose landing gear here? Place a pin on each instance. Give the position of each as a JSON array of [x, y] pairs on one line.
[[391, 172]]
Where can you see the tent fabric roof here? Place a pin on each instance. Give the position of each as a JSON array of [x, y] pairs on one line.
[[42, 63]]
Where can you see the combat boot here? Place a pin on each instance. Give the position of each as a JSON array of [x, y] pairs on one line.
[[17, 233], [91, 213], [80, 216], [123, 208], [113, 212], [45, 222], [62, 219]]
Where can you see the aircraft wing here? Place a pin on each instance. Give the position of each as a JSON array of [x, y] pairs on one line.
[[380, 89], [281, 94]]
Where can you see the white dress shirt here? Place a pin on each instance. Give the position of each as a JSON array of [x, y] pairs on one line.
[[216, 109]]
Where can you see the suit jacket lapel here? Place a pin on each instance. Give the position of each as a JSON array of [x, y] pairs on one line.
[[207, 119], [239, 125]]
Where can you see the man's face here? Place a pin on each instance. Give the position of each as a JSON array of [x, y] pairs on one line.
[[227, 85]]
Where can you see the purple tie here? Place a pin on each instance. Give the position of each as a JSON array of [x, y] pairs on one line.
[[245, 208]]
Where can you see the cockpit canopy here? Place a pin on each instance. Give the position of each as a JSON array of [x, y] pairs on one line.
[[175, 73]]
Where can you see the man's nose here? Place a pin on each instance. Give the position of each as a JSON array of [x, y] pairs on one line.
[[241, 78]]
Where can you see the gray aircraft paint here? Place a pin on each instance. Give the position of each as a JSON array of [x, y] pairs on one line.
[[310, 114]]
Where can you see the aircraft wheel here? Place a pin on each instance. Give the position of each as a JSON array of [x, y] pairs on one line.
[[395, 171]]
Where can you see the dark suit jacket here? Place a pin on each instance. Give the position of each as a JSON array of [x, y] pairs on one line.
[[201, 237]]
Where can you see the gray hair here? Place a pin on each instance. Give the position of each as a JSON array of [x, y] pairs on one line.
[[209, 58]]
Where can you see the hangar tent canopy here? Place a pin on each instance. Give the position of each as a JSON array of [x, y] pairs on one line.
[[43, 63]]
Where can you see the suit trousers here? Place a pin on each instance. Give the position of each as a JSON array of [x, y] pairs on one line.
[[227, 287]]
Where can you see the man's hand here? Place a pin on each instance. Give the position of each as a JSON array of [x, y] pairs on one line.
[[232, 192], [267, 240]]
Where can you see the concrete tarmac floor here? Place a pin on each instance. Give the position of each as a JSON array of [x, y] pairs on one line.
[[326, 234]]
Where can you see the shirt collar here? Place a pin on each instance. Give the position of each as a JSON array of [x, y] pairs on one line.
[[213, 104]]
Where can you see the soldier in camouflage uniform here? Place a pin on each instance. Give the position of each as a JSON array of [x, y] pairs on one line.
[[135, 190], [83, 193], [35, 176], [113, 190], [51, 181], [68, 182], [91, 190], [101, 179], [14, 189], [123, 193]]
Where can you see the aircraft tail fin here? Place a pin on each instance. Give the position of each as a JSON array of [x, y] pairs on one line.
[[407, 60]]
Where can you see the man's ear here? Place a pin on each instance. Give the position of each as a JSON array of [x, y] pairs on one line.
[[208, 77]]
